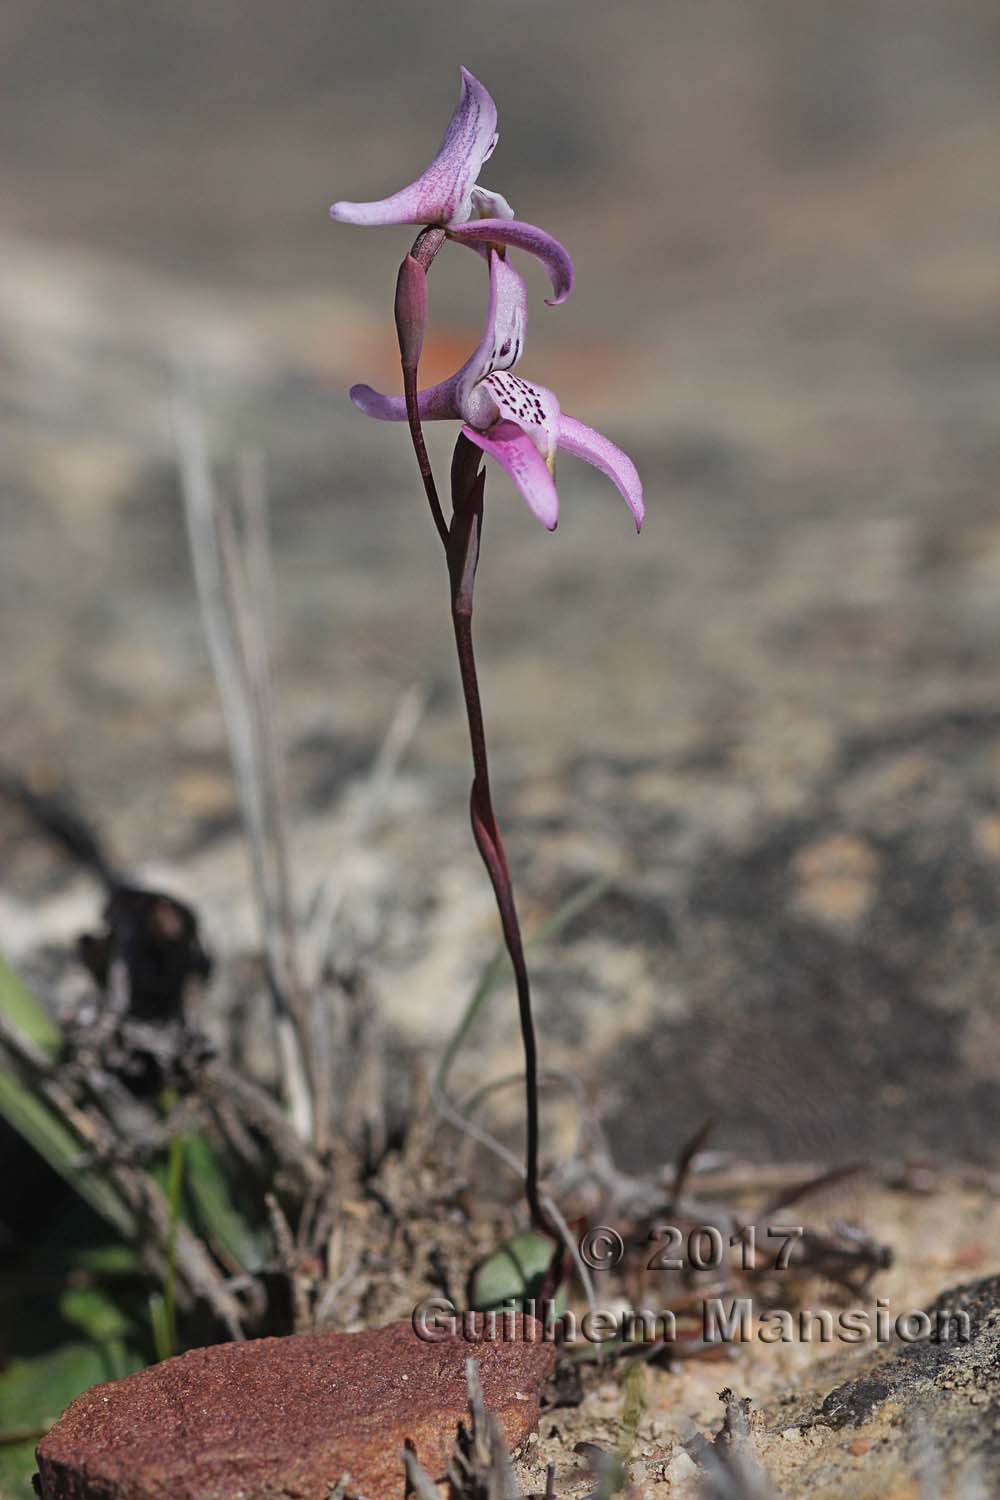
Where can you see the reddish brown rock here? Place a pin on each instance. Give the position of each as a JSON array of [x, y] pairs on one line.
[[287, 1417]]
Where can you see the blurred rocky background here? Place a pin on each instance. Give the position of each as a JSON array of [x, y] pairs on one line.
[[772, 722]]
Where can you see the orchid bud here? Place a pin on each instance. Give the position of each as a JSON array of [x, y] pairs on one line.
[[411, 311]]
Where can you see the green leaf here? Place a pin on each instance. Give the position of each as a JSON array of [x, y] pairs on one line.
[[61, 1147], [17, 1461], [61, 1330], [513, 1274], [94, 1314], [33, 1393], [217, 1218], [19, 1006], [159, 1322], [36, 1120], [107, 1259]]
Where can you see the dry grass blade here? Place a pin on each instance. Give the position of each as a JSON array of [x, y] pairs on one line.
[[418, 1482], [480, 1466], [329, 899], [231, 559]]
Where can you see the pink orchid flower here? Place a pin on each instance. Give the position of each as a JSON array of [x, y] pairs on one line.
[[519, 424], [447, 194]]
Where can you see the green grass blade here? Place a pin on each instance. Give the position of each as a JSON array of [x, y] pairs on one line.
[[218, 1220], [19, 1006], [175, 1193], [162, 1340], [58, 1144]]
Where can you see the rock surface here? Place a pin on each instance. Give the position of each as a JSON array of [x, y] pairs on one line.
[[907, 1420], [286, 1417], [910, 1421]]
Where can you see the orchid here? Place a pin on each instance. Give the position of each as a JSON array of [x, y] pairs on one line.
[[447, 194], [518, 423]]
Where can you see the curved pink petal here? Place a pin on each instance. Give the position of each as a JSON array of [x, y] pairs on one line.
[[437, 404], [529, 237], [500, 346], [515, 452], [443, 193], [587, 444], [533, 408]]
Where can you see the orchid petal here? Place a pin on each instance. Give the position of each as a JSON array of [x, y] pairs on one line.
[[554, 257], [515, 452], [465, 395], [534, 409], [587, 444], [443, 193], [489, 205], [438, 404], [500, 345]]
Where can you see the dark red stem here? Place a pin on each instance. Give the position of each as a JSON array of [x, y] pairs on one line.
[[461, 542], [467, 485]]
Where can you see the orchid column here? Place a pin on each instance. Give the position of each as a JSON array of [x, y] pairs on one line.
[[519, 424]]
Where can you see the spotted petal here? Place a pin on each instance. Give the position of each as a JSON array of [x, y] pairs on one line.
[[515, 452], [587, 444], [443, 193], [532, 407], [501, 345], [478, 233]]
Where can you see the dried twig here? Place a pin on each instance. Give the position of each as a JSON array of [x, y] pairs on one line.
[[222, 1087], [289, 1261]]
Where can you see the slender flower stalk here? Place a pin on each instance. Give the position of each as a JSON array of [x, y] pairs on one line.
[[520, 425], [468, 484], [461, 540]]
